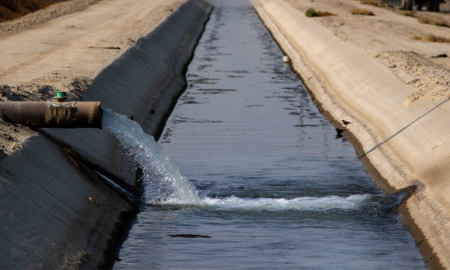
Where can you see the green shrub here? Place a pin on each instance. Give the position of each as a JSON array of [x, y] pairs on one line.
[[310, 13]]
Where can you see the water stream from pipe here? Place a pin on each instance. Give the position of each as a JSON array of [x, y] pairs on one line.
[[164, 183]]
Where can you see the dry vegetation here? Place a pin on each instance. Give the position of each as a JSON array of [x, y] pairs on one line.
[[323, 14], [13, 9], [433, 22], [313, 13], [432, 38], [361, 11], [407, 13], [425, 20], [374, 3]]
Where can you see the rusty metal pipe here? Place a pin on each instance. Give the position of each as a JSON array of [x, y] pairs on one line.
[[75, 114]]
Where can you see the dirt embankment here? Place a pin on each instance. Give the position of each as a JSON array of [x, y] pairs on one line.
[[13, 9], [21, 14], [389, 37]]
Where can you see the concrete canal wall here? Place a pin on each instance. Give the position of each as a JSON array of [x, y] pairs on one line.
[[350, 85], [55, 211]]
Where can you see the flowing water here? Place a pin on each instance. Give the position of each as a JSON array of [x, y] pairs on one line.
[[263, 174]]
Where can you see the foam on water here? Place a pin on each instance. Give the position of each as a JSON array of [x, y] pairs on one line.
[[164, 183], [301, 203]]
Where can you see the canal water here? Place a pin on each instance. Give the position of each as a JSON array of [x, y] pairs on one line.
[[275, 188]]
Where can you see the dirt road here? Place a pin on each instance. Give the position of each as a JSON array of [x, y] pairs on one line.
[[78, 45]]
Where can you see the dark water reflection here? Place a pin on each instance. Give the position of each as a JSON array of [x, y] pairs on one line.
[[246, 127]]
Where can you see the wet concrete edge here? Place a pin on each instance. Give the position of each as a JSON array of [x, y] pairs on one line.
[[126, 219], [158, 132]]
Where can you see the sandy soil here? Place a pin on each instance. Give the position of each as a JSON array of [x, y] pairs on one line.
[[49, 13], [387, 37], [63, 48]]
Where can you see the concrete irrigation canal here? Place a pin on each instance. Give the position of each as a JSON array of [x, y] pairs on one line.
[[210, 150], [277, 187]]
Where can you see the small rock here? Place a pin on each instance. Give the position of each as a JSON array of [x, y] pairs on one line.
[[392, 66], [14, 146], [92, 200]]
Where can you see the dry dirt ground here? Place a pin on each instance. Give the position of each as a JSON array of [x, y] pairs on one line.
[[63, 48], [388, 37]]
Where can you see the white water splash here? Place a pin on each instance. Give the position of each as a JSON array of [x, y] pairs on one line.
[[164, 183]]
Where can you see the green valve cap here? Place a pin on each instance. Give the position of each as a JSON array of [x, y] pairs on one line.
[[60, 96]]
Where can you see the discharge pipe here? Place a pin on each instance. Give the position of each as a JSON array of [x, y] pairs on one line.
[[74, 114]]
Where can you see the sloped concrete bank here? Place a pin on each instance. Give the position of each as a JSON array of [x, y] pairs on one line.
[[350, 85], [55, 210]]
